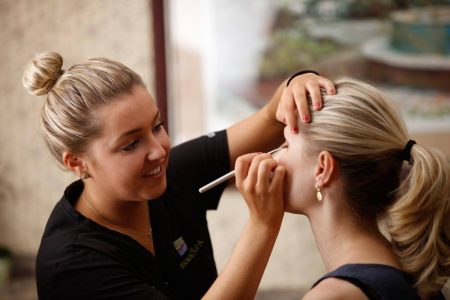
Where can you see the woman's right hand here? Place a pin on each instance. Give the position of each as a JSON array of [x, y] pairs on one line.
[[259, 178]]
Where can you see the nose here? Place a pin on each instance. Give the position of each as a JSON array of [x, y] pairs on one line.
[[156, 150]]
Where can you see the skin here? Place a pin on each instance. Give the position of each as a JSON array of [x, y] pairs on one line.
[[340, 236], [133, 144]]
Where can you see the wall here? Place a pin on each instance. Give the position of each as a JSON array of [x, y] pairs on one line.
[[30, 181]]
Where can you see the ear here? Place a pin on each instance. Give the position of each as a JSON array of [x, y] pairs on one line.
[[326, 166], [75, 163]]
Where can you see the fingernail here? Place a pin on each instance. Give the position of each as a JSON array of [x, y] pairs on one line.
[[306, 118], [317, 106], [295, 130]]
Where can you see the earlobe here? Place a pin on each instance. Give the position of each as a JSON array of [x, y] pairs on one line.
[[326, 166]]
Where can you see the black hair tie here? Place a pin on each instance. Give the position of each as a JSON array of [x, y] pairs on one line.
[[406, 153], [300, 73]]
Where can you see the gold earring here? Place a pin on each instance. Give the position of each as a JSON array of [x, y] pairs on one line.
[[318, 193]]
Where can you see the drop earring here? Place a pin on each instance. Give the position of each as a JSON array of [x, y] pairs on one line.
[[318, 193]]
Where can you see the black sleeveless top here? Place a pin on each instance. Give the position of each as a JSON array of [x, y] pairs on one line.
[[378, 282]]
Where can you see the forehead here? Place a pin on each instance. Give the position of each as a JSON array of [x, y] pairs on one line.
[[297, 139], [127, 111]]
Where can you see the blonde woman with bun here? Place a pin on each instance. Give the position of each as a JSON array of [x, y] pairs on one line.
[[377, 201], [134, 226]]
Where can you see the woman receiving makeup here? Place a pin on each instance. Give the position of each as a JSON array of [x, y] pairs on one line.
[[378, 202], [134, 226]]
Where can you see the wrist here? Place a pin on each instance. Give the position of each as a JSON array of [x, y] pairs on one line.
[[268, 227], [300, 73]]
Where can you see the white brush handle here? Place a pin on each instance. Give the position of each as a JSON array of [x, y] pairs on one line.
[[227, 176]]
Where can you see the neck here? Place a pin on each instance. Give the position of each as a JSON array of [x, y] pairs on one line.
[[342, 239], [115, 214]]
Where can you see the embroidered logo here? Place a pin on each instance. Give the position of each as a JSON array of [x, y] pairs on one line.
[[180, 246], [193, 251]]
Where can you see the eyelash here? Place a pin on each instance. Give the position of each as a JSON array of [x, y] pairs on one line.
[[130, 146], [134, 143], [158, 127]]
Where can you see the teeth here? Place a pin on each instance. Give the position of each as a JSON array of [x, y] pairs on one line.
[[154, 171]]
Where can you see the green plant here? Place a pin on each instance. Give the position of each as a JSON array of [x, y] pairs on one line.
[[291, 49]]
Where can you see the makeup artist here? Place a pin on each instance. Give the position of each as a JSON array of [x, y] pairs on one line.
[[104, 238]]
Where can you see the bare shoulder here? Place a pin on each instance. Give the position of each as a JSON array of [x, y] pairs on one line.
[[334, 289]]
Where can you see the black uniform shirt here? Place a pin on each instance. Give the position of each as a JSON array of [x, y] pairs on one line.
[[80, 259]]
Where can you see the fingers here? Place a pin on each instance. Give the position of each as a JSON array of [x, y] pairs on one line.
[[242, 167], [294, 99], [315, 94], [288, 110], [257, 167], [255, 172], [265, 174], [278, 178], [328, 85], [301, 104], [259, 179], [309, 85]]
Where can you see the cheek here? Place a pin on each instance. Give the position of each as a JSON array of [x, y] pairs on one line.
[[293, 189], [298, 188], [166, 143], [289, 180], [164, 140]]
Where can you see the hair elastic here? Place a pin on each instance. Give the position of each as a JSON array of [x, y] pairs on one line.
[[406, 153], [300, 73]]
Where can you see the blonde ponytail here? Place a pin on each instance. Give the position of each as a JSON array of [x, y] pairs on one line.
[[418, 222]]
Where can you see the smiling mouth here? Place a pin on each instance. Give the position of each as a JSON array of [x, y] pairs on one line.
[[154, 172]]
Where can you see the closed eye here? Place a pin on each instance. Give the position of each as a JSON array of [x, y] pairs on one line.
[[158, 127], [130, 146]]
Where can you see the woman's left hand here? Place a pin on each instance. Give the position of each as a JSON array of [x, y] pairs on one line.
[[294, 98]]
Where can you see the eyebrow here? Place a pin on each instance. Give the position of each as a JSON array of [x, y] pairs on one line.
[[135, 130]]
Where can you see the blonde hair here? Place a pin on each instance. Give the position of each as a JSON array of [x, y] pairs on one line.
[[72, 96], [364, 132]]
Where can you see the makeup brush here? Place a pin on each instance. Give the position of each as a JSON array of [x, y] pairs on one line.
[[229, 175]]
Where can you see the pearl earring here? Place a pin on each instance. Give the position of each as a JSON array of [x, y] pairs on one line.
[[318, 193]]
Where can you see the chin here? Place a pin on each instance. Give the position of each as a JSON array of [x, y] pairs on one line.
[[157, 191], [293, 209], [290, 209]]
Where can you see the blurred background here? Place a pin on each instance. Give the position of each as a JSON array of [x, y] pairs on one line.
[[211, 63]]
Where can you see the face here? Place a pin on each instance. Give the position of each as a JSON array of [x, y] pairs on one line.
[[299, 182], [129, 160]]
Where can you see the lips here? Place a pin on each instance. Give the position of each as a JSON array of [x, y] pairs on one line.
[[154, 172]]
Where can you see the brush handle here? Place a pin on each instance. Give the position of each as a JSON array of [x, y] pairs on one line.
[[227, 176], [216, 182]]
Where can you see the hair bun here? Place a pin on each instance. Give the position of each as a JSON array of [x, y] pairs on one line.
[[42, 73]]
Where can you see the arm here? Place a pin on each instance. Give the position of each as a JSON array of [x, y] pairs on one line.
[[263, 194], [263, 130]]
